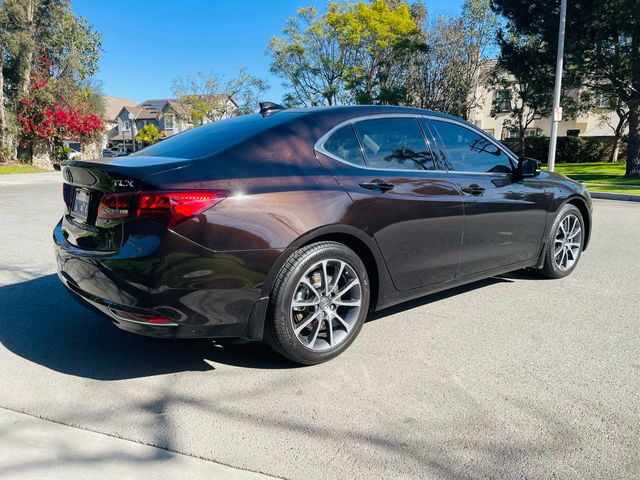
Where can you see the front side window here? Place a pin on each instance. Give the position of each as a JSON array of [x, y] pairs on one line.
[[468, 151], [344, 145], [394, 143]]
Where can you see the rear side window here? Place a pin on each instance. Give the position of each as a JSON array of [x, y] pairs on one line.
[[344, 144], [468, 151], [215, 137], [394, 143]]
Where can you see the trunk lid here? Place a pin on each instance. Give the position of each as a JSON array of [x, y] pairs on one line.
[[87, 182]]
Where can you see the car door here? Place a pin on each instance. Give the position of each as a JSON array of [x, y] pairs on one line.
[[504, 217], [411, 207]]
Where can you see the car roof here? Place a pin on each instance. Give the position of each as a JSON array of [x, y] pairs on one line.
[[360, 110]]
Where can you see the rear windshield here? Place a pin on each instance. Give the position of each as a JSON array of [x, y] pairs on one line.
[[214, 137]]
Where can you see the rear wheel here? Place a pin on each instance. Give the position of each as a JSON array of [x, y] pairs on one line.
[[565, 243], [319, 303]]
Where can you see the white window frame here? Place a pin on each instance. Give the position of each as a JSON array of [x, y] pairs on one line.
[[604, 101], [506, 100], [173, 126]]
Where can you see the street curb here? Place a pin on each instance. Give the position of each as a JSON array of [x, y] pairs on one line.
[[626, 197]]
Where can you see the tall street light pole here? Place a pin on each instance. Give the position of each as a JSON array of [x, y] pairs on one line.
[[557, 109]]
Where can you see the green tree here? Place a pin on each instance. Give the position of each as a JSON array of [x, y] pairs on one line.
[[47, 38], [524, 79], [211, 97], [353, 53], [149, 134], [446, 75], [617, 106], [311, 59], [382, 37], [602, 48]]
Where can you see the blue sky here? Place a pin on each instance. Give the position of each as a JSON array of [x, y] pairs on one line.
[[146, 45]]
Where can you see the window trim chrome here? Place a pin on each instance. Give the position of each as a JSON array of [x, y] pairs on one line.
[[319, 145]]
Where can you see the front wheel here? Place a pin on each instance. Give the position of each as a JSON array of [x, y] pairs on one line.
[[319, 303], [565, 243]]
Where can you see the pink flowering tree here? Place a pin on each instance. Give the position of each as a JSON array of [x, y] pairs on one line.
[[54, 111]]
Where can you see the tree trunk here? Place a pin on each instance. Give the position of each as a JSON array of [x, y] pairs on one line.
[[3, 117], [633, 148], [41, 151], [91, 150], [26, 63], [522, 143], [615, 148]]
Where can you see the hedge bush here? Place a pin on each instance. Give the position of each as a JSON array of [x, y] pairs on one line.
[[568, 149]]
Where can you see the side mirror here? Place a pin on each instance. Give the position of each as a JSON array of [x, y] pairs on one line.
[[527, 168]]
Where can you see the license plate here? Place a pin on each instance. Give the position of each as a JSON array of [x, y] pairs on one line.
[[80, 207]]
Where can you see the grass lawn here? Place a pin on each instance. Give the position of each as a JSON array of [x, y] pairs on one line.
[[6, 169], [601, 177]]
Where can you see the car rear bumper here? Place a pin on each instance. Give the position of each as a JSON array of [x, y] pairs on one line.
[[200, 292]]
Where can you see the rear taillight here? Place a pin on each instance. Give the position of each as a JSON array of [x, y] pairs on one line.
[[166, 208], [116, 206]]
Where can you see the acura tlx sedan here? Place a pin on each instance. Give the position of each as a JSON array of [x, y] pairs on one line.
[[292, 225]]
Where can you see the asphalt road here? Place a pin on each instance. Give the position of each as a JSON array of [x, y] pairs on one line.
[[513, 377]]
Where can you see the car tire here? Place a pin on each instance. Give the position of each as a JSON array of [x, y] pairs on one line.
[[321, 286], [564, 243]]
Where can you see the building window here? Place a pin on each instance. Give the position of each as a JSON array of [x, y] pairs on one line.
[[605, 101], [126, 125], [573, 133], [503, 101], [513, 133], [169, 121], [528, 133], [489, 131]]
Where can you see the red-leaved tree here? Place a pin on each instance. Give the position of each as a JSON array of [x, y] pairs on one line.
[[52, 113]]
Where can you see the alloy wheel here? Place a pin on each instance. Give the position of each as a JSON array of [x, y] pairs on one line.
[[568, 242], [326, 304]]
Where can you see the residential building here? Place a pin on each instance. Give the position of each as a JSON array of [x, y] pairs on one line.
[[598, 123], [112, 108], [169, 115]]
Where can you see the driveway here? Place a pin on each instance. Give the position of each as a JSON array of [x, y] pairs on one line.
[[509, 377]]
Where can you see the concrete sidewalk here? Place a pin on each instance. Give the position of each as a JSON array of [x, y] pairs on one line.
[[32, 448]]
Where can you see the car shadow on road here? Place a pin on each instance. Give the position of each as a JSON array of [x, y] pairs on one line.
[[40, 322], [435, 297]]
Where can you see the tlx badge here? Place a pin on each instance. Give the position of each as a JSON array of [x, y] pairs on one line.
[[123, 183]]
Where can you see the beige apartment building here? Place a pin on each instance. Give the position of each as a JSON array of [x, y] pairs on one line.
[[597, 123]]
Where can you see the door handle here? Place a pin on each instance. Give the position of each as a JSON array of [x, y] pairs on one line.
[[474, 189], [378, 184]]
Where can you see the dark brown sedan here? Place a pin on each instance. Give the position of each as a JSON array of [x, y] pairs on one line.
[[291, 225]]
